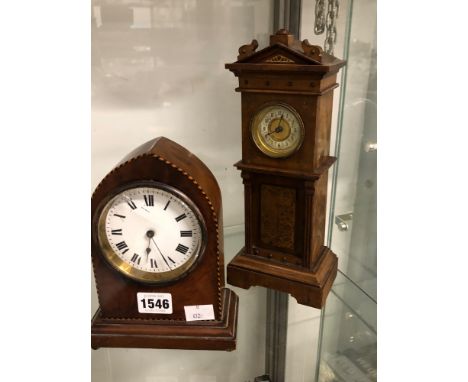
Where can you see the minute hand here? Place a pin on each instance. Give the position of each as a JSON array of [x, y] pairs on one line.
[[161, 253]]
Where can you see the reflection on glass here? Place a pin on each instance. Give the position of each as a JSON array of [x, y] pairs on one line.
[[158, 70], [349, 337], [356, 175], [348, 349]]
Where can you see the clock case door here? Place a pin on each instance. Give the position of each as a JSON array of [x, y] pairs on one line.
[[118, 323], [285, 198]]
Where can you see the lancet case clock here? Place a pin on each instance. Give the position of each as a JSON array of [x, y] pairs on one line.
[[287, 98], [157, 250]]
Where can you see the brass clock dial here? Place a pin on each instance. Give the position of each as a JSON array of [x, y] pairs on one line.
[[277, 130], [151, 232]]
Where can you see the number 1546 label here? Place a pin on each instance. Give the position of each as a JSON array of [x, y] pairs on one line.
[[159, 303]]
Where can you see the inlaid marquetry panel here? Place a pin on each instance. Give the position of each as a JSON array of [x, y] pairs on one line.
[[277, 216]]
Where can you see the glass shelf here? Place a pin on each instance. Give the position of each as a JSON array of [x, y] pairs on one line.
[[349, 335], [348, 344]]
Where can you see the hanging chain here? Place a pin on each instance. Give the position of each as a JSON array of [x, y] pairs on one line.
[[332, 15], [319, 26]]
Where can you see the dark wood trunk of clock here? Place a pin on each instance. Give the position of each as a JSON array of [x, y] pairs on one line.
[[285, 217], [285, 228]]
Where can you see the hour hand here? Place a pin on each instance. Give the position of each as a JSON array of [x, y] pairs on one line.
[[149, 235], [148, 250], [278, 128]]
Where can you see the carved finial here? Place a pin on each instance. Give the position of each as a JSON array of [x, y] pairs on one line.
[[283, 36], [247, 50], [313, 51]]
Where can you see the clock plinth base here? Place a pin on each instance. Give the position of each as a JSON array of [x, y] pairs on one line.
[[167, 334], [308, 287]]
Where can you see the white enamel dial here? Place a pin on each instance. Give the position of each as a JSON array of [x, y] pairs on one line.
[[151, 232], [277, 130]]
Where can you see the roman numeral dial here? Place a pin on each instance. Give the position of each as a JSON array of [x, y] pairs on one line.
[[152, 232]]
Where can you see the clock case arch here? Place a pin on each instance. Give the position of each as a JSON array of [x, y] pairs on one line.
[[117, 323]]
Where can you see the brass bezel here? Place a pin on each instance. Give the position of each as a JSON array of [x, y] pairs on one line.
[[126, 269], [258, 138]]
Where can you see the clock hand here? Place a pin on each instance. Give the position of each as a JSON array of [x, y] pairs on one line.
[[149, 234], [278, 128], [148, 250], [161, 253]]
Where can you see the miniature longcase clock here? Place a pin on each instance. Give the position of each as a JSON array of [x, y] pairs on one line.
[[287, 96], [157, 254]]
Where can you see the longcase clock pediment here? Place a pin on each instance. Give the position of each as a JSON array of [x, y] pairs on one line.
[[278, 54], [285, 53]]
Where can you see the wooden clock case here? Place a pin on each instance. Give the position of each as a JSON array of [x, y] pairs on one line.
[[117, 322], [285, 198]]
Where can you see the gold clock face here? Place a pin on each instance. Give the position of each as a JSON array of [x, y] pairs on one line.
[[277, 130], [151, 232]]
